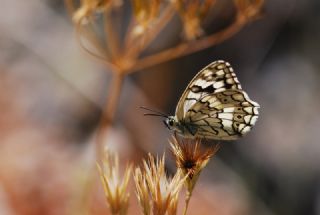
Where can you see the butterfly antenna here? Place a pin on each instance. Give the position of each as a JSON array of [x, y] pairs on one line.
[[154, 112]]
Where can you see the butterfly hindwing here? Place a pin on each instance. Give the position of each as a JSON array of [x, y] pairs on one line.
[[226, 115]]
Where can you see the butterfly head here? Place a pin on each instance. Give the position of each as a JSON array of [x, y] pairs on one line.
[[171, 123]]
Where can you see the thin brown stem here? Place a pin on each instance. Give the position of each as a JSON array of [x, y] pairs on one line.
[[102, 59], [109, 110], [187, 200], [81, 32], [129, 33], [70, 7], [189, 47], [112, 37], [151, 34]]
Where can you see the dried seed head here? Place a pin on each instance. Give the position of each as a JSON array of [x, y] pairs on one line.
[[249, 9], [145, 13], [192, 14], [191, 159], [142, 192], [115, 189], [88, 8], [156, 192]]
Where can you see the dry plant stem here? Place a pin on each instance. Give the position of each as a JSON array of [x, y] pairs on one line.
[[151, 34], [93, 40], [70, 7], [111, 34], [109, 110], [187, 200], [189, 47], [129, 33], [95, 56]]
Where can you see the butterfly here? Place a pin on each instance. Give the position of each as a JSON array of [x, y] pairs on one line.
[[213, 106]]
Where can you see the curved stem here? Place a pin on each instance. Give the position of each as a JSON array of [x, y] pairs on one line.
[[90, 37], [109, 111]]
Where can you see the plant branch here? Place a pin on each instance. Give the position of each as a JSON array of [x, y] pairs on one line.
[[109, 110], [151, 33], [189, 47], [80, 32], [112, 37], [187, 200]]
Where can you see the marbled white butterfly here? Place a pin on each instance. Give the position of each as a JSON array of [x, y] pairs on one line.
[[213, 106]]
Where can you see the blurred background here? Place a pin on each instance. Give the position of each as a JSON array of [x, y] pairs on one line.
[[52, 94]]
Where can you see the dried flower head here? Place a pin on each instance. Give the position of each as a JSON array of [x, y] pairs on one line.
[[192, 14], [249, 9], [142, 192], [145, 12], [155, 190], [115, 189], [88, 8], [191, 158]]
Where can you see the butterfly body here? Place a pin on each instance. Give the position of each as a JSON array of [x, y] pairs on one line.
[[214, 106]]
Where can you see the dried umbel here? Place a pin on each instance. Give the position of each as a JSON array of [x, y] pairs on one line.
[[123, 53], [192, 13], [88, 8], [156, 192], [115, 189], [249, 9], [145, 13], [190, 160]]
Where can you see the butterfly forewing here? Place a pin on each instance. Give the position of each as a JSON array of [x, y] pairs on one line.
[[216, 77], [215, 106]]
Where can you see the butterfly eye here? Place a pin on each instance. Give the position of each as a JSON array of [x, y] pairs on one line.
[[171, 122]]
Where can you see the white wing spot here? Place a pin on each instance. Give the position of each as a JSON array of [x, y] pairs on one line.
[[247, 118], [230, 81], [253, 120], [248, 109], [205, 99], [218, 84], [227, 123], [220, 72], [208, 73], [229, 110], [202, 83], [225, 116], [221, 66], [212, 100], [246, 129], [241, 126]]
